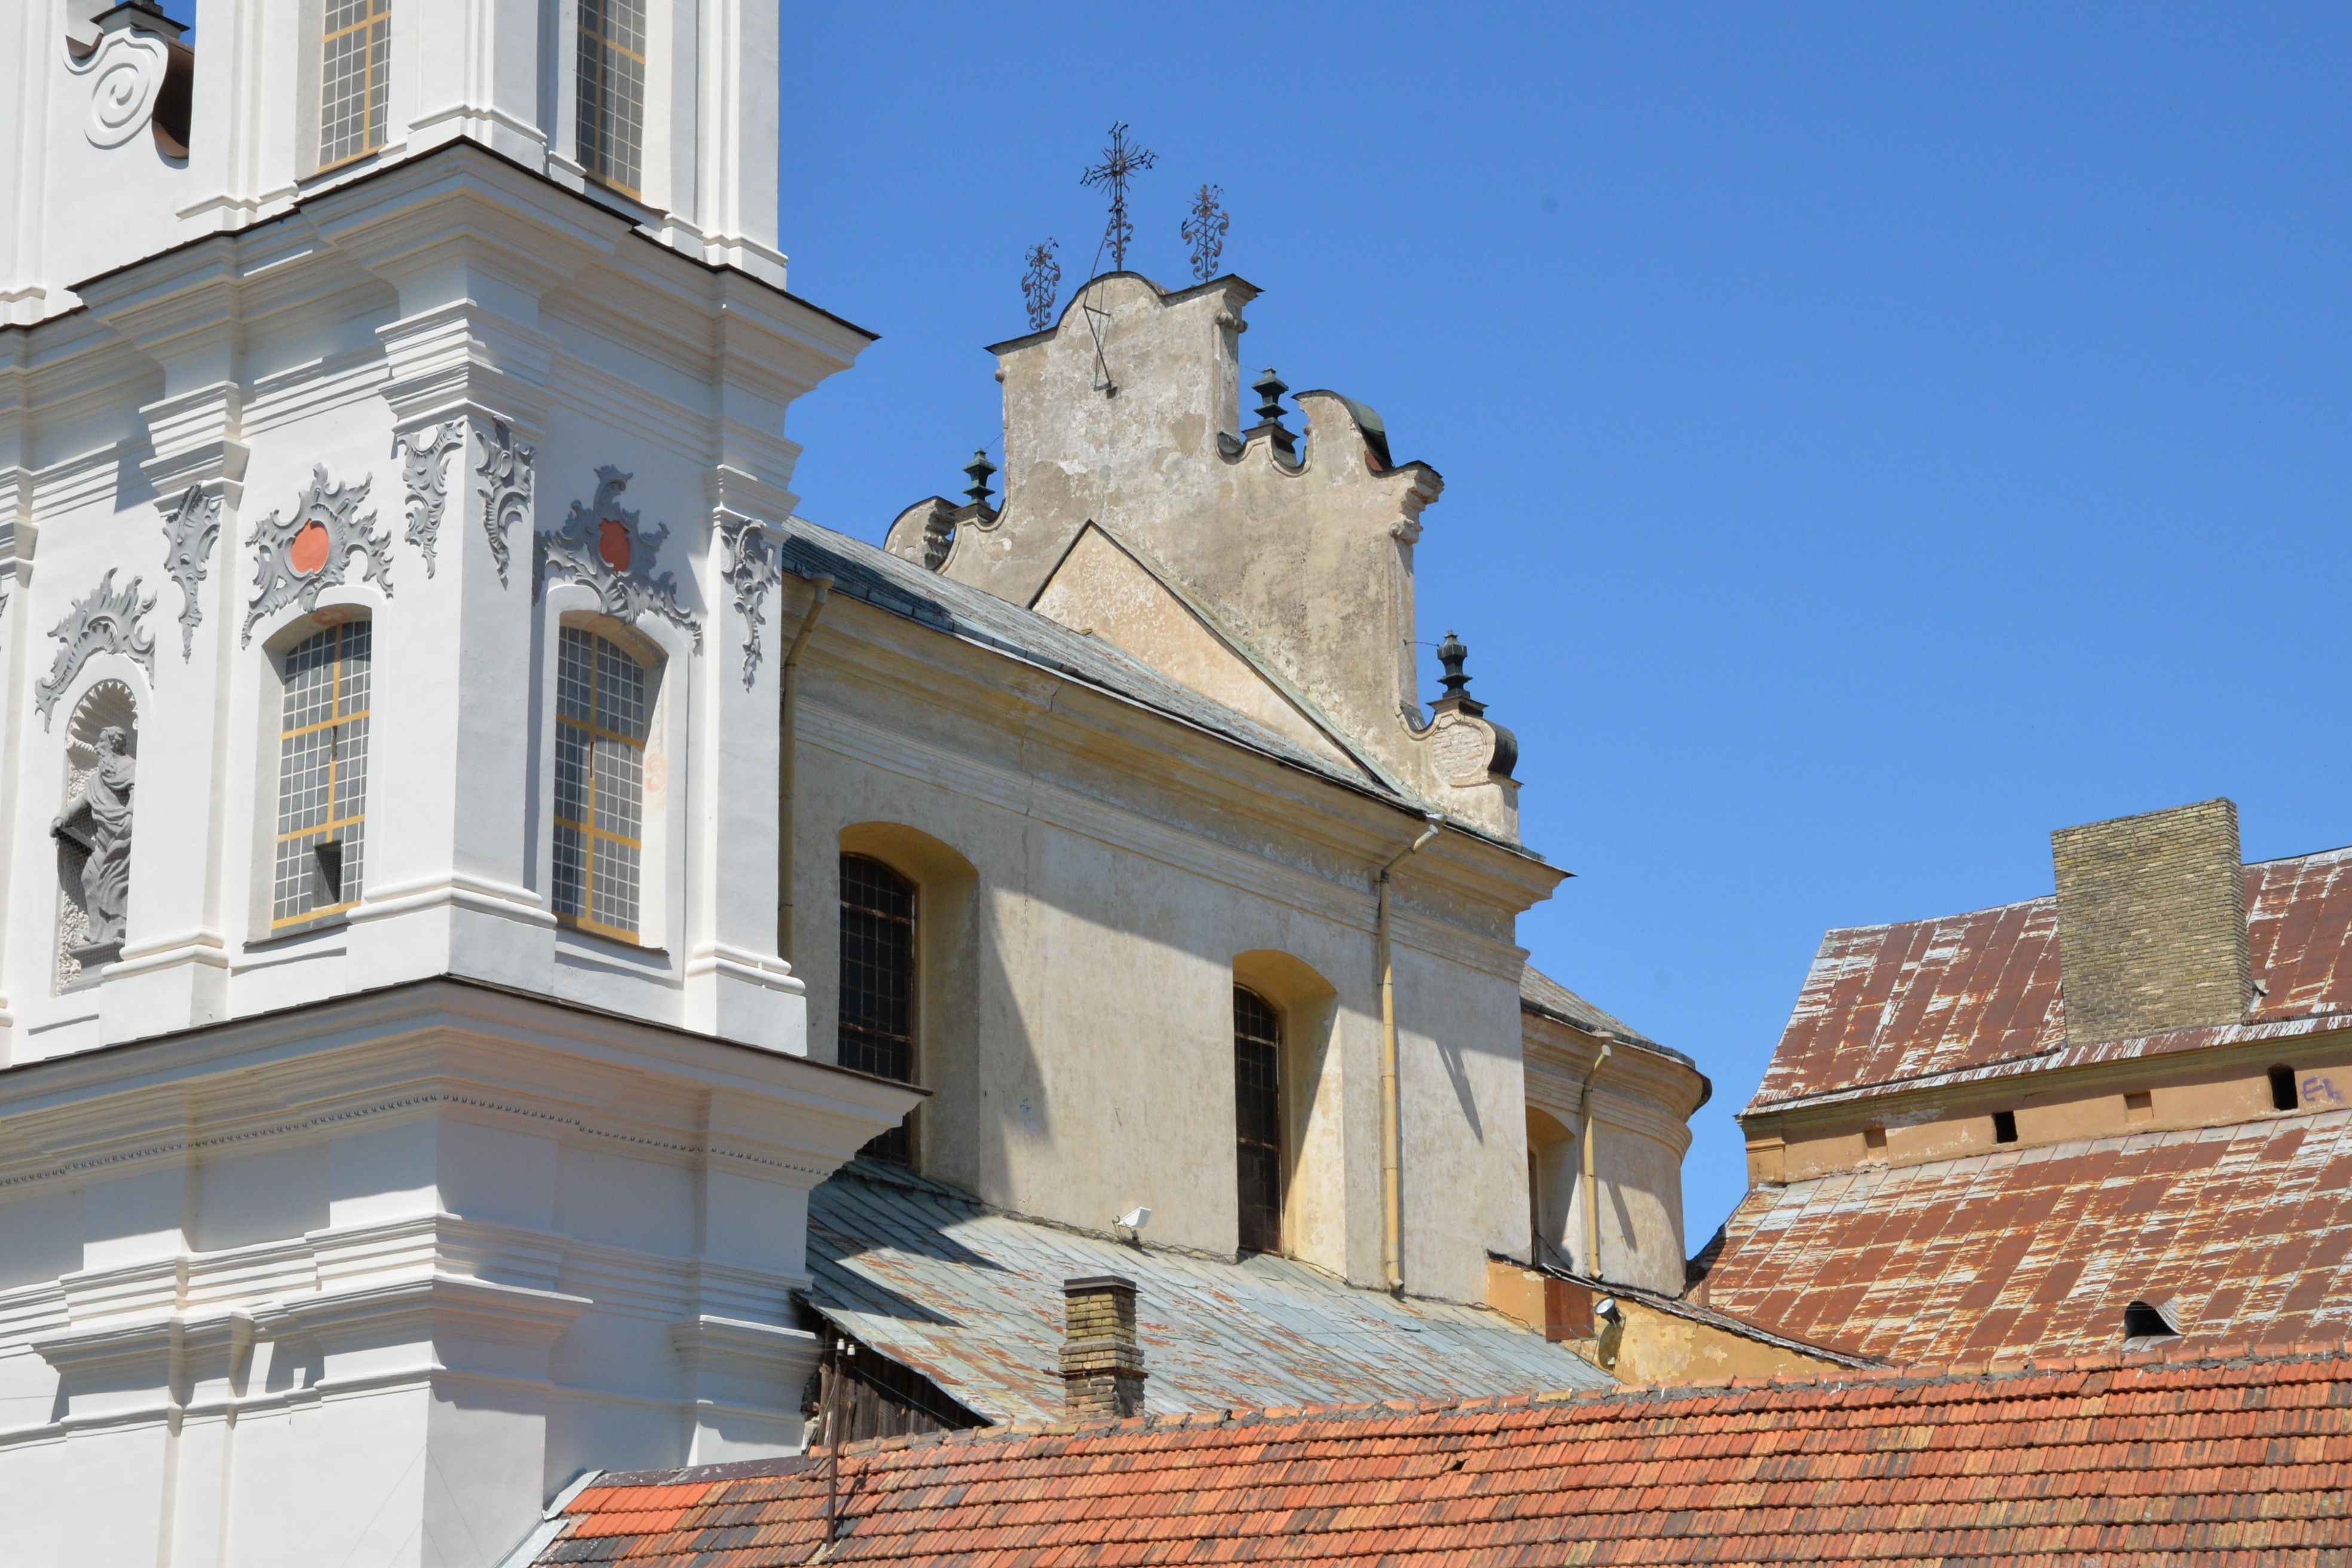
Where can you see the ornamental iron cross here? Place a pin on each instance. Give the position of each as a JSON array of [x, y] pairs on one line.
[[1120, 163]]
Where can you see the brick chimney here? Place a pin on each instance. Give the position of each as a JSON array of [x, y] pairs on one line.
[[2152, 923], [1102, 1364]]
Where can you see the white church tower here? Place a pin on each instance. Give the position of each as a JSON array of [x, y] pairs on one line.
[[401, 1097]]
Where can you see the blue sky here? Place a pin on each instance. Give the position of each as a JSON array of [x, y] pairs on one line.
[[1873, 435]]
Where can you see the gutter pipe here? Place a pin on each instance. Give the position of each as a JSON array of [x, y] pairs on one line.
[[1392, 1160], [1591, 1180]]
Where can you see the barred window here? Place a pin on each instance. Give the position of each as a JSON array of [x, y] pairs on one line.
[[612, 90], [322, 775], [877, 1031], [352, 72], [602, 712], [1257, 1117]]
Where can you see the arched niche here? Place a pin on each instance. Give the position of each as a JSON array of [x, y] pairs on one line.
[[1553, 1169], [946, 1127], [92, 832], [1314, 1209]]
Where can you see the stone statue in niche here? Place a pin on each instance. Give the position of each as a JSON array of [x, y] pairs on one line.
[[97, 823]]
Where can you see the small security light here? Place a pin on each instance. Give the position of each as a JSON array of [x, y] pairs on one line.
[[1135, 1218]]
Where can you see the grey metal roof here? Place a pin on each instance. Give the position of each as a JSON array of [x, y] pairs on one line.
[[972, 1299], [1539, 993]]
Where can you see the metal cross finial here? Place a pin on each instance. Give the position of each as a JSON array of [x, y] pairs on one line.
[[1041, 284], [1120, 163], [978, 470], [1205, 230]]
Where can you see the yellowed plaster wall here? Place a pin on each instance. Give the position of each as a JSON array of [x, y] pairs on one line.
[[1663, 1347]]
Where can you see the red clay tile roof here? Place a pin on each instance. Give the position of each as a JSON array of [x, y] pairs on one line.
[[2233, 1459], [2038, 1250], [1897, 1003]]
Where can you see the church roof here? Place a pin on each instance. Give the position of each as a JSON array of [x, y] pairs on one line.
[[1908, 1004], [2240, 1233], [2233, 1459], [873, 576], [972, 1299], [1539, 993]]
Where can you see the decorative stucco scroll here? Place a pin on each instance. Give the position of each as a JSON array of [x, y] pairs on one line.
[[506, 487], [190, 530], [751, 570], [126, 70], [296, 557], [599, 544], [427, 471], [105, 620]]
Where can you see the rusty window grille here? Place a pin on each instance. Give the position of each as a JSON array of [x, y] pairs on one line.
[[354, 62], [613, 91], [1257, 1116], [877, 1029], [323, 744]]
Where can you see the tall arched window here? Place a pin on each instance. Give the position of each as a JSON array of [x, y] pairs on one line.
[[613, 91], [322, 745], [876, 1029], [1257, 1117], [354, 66], [603, 701]]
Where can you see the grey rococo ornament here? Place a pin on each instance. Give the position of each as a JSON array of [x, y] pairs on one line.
[[312, 550], [751, 570], [599, 544], [427, 471], [506, 487], [190, 531], [103, 621]]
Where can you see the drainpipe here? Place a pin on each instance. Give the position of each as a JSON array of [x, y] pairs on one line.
[[1391, 1161], [1592, 1182], [820, 590]]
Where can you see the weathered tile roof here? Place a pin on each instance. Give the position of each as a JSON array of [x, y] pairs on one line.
[[1904, 1004], [2235, 1459], [972, 1299], [2038, 1250]]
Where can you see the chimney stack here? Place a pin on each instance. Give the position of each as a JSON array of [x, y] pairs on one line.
[[2152, 923], [1102, 1364]]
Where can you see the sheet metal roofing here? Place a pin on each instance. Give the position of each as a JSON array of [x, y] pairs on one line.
[[1897, 1004], [2236, 1459], [972, 1299], [1539, 993], [2245, 1231]]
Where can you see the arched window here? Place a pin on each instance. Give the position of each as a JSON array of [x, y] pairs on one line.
[[613, 91], [877, 1031], [353, 71], [322, 745], [602, 712], [1257, 1118]]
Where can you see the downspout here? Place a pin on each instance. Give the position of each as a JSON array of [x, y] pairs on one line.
[[1592, 1182], [787, 763], [1392, 1160]]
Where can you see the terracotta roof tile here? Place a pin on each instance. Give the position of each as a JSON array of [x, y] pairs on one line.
[[2139, 1459]]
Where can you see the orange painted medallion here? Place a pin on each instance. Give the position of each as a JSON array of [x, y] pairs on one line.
[[613, 543], [308, 551]]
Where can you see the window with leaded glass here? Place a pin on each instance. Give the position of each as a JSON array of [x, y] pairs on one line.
[[322, 738], [355, 55], [877, 1030], [613, 91], [1257, 1118], [603, 701]]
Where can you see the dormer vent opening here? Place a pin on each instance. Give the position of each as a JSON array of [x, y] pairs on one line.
[[2283, 1095], [2148, 1323], [2004, 1126]]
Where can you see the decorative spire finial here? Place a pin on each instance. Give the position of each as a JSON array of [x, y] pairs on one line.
[[1452, 654], [1205, 230], [978, 470], [1269, 388], [1041, 284], [1120, 163]]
